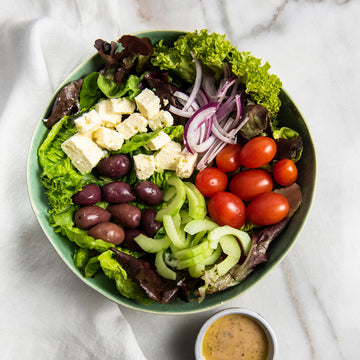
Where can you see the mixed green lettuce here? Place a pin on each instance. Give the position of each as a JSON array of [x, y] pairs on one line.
[[121, 76], [213, 50]]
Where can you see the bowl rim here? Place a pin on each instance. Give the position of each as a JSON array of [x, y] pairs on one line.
[[70, 77], [270, 334]]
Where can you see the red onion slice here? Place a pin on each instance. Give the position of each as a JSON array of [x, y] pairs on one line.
[[196, 86], [192, 132]]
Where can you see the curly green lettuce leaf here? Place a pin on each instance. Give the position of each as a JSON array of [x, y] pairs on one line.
[[213, 50], [263, 87], [125, 285], [59, 177]]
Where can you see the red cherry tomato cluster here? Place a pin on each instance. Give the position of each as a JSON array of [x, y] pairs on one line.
[[248, 194]]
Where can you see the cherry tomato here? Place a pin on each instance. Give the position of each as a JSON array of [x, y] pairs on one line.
[[226, 208], [258, 152], [285, 172], [228, 158], [247, 184], [211, 180], [267, 209]]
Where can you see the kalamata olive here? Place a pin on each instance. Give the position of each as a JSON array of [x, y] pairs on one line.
[[118, 192], [108, 232], [148, 222], [88, 216], [126, 215], [89, 195], [129, 241], [149, 193], [114, 166]]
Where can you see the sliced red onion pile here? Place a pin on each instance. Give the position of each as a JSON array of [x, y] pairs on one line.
[[210, 127]]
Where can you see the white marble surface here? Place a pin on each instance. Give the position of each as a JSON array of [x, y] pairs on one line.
[[311, 299]]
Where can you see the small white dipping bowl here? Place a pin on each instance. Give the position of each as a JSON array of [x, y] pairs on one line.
[[272, 341]]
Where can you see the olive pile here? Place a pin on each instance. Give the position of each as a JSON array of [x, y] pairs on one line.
[[121, 222]]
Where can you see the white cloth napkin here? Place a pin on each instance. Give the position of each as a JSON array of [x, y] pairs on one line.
[[45, 311]]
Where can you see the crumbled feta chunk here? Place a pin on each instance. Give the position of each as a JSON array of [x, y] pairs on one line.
[[161, 119], [87, 123], [148, 103], [166, 158], [105, 110], [144, 166], [135, 123], [123, 106], [185, 165], [108, 139], [158, 141], [83, 152]]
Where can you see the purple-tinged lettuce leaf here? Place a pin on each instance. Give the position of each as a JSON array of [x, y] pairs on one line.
[[156, 287], [67, 103], [118, 64], [258, 121], [289, 144]]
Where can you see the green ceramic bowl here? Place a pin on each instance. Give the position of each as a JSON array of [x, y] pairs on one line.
[[289, 115]]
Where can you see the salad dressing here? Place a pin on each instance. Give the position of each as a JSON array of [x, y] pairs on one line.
[[233, 337]]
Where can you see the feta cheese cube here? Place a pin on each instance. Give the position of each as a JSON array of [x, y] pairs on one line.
[[108, 139], [167, 157], [87, 123], [148, 103], [83, 152], [134, 124], [161, 119], [105, 110], [144, 166], [158, 141], [185, 165], [123, 106]]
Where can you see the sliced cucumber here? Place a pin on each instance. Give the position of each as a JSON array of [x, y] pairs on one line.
[[151, 245], [216, 234], [230, 247], [193, 251], [183, 264], [197, 270], [169, 193], [162, 268], [185, 217], [177, 202], [176, 234], [198, 237], [198, 225], [213, 257], [197, 204]]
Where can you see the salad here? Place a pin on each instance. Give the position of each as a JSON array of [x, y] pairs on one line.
[[167, 168]]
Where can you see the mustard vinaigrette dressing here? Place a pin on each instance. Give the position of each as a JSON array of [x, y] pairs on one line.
[[234, 337]]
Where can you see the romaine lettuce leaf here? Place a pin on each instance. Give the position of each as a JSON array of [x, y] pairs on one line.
[[81, 257], [83, 240], [92, 267]]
